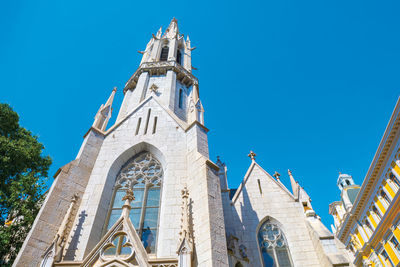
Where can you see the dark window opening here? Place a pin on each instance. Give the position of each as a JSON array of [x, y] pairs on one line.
[[164, 53], [179, 57], [138, 126], [180, 103], [147, 121]]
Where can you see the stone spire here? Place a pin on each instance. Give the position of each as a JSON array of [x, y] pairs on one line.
[[104, 113], [172, 31], [187, 62], [295, 186], [158, 36]]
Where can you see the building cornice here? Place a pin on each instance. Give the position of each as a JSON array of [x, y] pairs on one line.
[[375, 170], [379, 232], [161, 67]]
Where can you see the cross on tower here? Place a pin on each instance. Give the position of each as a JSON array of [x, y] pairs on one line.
[[252, 155]]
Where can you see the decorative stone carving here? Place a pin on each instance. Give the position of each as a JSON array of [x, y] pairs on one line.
[[55, 250], [141, 169], [252, 155], [276, 175], [185, 248], [121, 245], [154, 88]]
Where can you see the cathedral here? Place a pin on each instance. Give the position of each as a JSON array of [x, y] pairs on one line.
[[144, 192]]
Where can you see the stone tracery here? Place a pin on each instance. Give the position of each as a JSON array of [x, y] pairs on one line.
[[143, 169]]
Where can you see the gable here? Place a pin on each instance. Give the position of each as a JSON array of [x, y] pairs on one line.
[[120, 246], [258, 182]]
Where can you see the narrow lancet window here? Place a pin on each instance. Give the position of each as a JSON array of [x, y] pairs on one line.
[[155, 125], [179, 57], [273, 246], [147, 121], [143, 174], [138, 126], [180, 103], [164, 53]]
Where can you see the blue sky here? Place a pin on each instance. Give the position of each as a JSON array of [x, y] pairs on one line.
[[308, 85]]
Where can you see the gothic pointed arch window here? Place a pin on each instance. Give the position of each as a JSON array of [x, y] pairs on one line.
[[273, 246], [164, 53], [143, 174]]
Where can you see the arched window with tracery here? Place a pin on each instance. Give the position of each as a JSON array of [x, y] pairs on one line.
[[143, 174], [273, 246]]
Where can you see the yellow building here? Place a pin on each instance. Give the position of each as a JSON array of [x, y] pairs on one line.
[[367, 219]]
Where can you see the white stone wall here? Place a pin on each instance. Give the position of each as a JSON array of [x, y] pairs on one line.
[[72, 179], [181, 112], [252, 207], [169, 146], [183, 155]]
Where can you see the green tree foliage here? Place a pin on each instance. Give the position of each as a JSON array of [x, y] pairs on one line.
[[23, 172]]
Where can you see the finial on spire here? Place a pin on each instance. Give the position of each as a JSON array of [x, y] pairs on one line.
[[172, 31], [252, 155], [129, 196], [276, 175], [111, 98]]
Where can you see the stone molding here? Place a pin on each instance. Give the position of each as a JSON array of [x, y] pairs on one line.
[[157, 68]]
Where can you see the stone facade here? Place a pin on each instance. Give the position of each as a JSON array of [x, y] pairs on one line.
[[200, 221]]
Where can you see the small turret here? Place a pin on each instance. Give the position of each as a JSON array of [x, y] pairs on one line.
[[349, 191], [344, 180]]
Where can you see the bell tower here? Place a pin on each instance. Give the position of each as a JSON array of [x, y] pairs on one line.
[[165, 72], [144, 190]]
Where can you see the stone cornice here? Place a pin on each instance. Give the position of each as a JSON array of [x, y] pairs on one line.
[[199, 124], [94, 129], [161, 67], [375, 170], [212, 165]]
